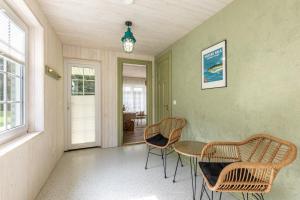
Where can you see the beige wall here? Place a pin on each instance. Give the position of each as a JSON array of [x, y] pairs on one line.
[[263, 45], [108, 61], [25, 168]]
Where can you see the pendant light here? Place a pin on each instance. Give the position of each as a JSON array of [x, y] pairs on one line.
[[128, 39]]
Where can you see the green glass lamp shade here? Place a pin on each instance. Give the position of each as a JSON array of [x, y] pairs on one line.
[[128, 41]]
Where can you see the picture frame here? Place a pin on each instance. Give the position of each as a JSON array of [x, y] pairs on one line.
[[214, 66]]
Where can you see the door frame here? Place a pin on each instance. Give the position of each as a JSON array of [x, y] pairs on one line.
[[67, 136], [148, 65], [159, 59]]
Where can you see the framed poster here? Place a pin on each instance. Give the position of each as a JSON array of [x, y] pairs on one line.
[[214, 66]]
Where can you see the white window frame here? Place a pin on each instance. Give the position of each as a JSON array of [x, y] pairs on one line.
[[10, 134]]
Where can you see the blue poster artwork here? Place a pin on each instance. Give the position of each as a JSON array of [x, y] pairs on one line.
[[213, 66]]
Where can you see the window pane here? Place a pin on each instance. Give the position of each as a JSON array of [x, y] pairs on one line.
[[13, 88], [77, 76], [89, 77], [17, 38], [89, 81], [89, 74], [4, 24], [1, 86], [138, 89], [77, 87], [126, 89], [89, 87], [12, 44], [1, 63], [77, 71], [77, 81], [13, 115], [13, 68], [2, 124]]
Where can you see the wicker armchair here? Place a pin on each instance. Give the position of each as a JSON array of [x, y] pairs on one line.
[[248, 167], [162, 136]]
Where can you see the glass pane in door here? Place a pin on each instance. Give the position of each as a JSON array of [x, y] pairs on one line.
[[83, 105]]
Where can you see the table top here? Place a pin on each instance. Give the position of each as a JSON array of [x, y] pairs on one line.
[[189, 148]]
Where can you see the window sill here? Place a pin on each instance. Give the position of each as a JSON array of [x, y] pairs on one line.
[[15, 143]]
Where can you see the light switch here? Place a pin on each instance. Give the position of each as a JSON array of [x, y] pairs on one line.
[[174, 102]]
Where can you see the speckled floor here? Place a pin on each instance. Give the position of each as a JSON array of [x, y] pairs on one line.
[[117, 173]]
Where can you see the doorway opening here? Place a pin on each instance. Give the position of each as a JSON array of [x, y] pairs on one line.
[[135, 99], [134, 103]]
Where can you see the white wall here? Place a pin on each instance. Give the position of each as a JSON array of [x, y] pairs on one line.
[[108, 60], [24, 169]]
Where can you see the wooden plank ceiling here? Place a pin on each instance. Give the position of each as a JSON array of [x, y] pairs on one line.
[[100, 23]]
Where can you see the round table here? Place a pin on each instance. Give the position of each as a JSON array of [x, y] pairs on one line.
[[191, 149]]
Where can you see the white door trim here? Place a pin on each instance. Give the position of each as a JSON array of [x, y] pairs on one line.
[[67, 94]]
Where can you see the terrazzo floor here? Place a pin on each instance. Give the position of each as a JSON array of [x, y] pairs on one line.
[[117, 173]]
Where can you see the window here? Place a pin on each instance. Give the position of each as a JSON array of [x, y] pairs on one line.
[[12, 73], [83, 81], [134, 95]]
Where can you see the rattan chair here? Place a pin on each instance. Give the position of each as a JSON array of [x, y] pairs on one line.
[[249, 167], [162, 136]]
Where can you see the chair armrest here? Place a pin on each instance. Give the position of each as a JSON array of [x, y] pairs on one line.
[[247, 176], [151, 130], [221, 151]]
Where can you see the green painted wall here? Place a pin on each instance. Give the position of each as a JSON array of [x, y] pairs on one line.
[[263, 93]]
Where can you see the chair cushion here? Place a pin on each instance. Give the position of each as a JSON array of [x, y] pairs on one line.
[[212, 170], [158, 140]]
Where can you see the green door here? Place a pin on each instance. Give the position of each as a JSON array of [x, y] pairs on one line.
[[164, 86]]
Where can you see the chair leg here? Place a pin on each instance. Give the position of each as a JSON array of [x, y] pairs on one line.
[[243, 196], [202, 189], [146, 166], [220, 196], [162, 156], [258, 196], [176, 168], [165, 166]]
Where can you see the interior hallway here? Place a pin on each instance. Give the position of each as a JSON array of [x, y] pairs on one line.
[[136, 136], [117, 173]]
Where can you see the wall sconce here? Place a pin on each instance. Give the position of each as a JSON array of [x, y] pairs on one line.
[[52, 73]]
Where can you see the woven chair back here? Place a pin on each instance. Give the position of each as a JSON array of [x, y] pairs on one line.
[[264, 148], [169, 124]]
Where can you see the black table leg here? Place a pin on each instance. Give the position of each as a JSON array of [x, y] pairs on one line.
[[195, 169], [202, 189], [193, 164]]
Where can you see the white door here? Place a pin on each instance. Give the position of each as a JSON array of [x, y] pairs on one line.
[[83, 104]]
